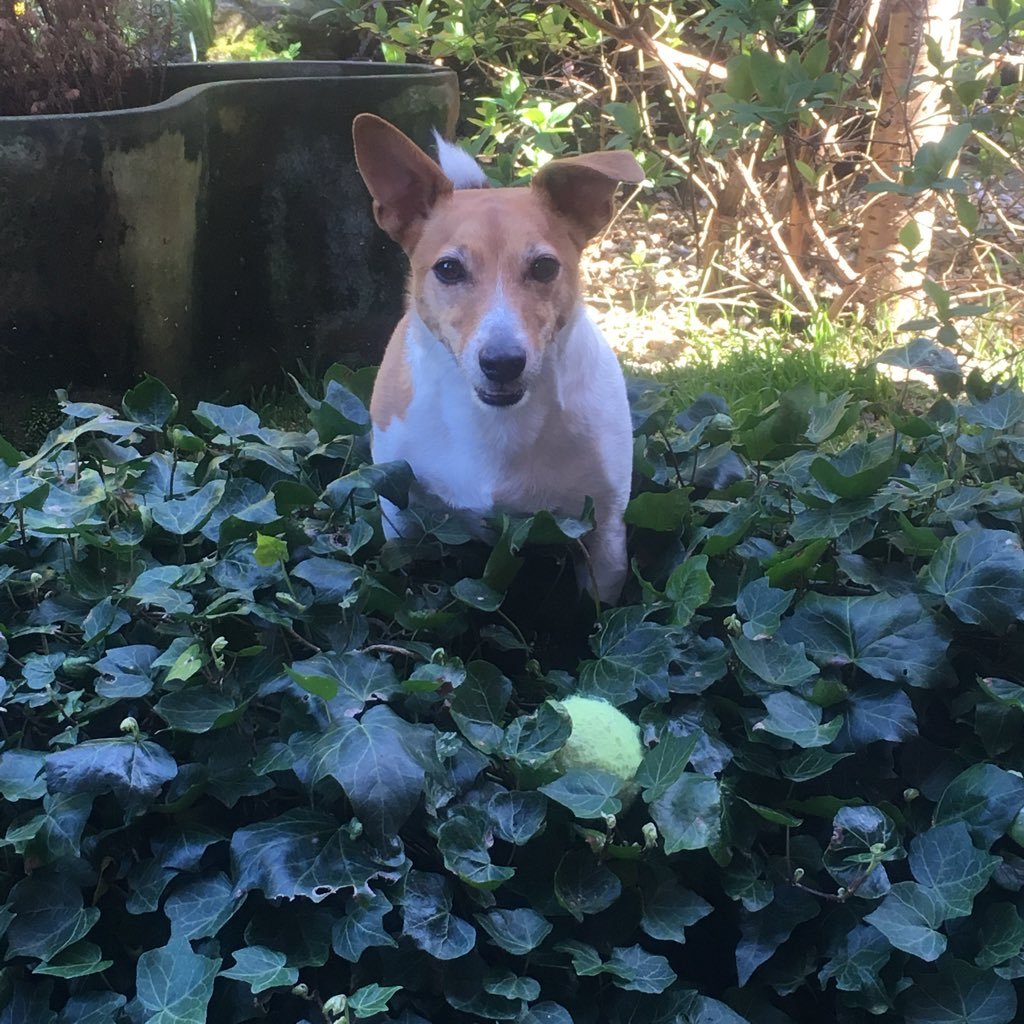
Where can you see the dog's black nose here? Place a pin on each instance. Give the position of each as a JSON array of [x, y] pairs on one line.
[[502, 365]]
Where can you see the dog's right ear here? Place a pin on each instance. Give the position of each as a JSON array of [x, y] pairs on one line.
[[404, 182]]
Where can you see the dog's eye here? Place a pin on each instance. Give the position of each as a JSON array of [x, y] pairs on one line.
[[450, 271], [544, 269]]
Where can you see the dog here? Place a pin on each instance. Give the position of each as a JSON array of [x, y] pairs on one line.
[[496, 387]]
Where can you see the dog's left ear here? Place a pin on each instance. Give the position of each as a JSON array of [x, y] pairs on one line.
[[404, 182], [581, 188]]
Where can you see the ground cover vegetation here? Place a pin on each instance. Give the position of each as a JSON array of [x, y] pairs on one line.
[[258, 762]]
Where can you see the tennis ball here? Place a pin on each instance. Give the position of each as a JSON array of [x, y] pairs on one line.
[[1016, 829], [602, 738]]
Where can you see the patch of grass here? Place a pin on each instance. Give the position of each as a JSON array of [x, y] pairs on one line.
[[749, 368]]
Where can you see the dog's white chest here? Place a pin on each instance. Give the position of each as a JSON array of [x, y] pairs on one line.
[[568, 439]]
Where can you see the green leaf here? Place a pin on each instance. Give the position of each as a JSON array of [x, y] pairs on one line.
[[775, 662], [49, 916], [378, 761], [663, 512], [980, 575], [516, 931], [331, 580], [857, 472], [945, 860], [583, 885], [200, 907], [810, 764], [428, 920], [762, 606], [908, 917], [532, 740], [890, 638], [862, 836], [77, 961], [688, 588], [340, 413], [669, 909], [764, 932], [134, 771], [174, 984], [197, 709], [181, 516], [664, 763], [477, 594], [636, 970], [21, 775], [792, 718], [858, 961], [150, 403], [261, 968], [985, 798], [362, 926], [300, 853], [371, 999], [878, 711], [478, 705], [517, 817], [270, 550], [462, 841], [960, 994], [632, 655], [588, 793], [689, 813], [235, 422], [1001, 933]]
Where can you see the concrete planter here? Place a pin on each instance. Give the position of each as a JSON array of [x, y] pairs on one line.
[[209, 237]]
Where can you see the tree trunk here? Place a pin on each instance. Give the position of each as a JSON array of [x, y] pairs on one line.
[[911, 113]]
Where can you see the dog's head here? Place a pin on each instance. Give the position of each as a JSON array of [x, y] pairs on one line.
[[494, 272]]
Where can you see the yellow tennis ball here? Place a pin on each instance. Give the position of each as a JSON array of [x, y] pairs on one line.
[[602, 738]]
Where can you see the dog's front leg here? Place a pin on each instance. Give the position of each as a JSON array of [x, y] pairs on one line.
[[603, 571]]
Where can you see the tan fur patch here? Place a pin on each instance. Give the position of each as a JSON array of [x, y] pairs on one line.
[[392, 391], [496, 234]]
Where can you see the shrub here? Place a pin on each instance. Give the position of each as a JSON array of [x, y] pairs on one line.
[[255, 760]]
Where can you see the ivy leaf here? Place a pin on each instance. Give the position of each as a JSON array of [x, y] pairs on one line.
[[261, 968], [762, 606], [378, 761], [636, 970], [49, 916], [478, 705], [532, 740], [664, 763], [669, 909], [235, 422], [371, 999], [181, 516], [197, 709], [516, 931], [632, 655], [1001, 932], [688, 588], [588, 793], [792, 718], [175, 984], [517, 816], [858, 961], [960, 994], [21, 774], [980, 575], [764, 932], [200, 907], [150, 403], [775, 662], [890, 638], [428, 920], [300, 853], [986, 798], [689, 813], [133, 770], [583, 885], [463, 842], [331, 580], [908, 917], [878, 711], [362, 926], [946, 861]]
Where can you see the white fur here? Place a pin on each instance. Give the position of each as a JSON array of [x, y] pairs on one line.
[[459, 167], [569, 438]]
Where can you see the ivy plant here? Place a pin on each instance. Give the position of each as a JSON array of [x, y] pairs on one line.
[[259, 763]]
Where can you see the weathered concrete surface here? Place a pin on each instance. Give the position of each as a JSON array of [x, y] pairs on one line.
[[209, 238]]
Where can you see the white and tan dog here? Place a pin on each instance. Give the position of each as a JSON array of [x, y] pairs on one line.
[[496, 387]]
